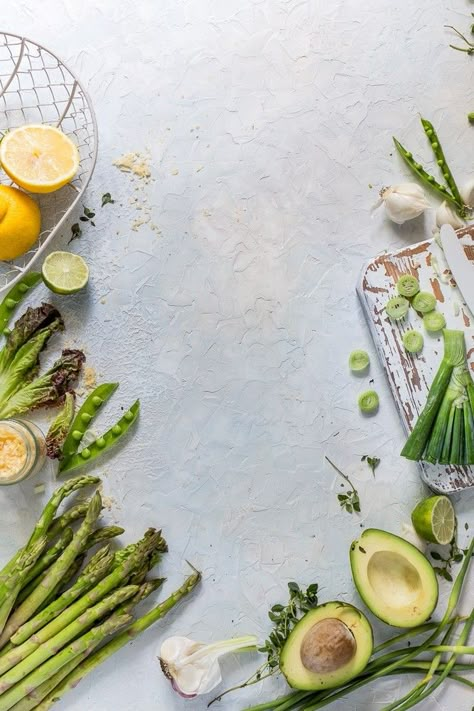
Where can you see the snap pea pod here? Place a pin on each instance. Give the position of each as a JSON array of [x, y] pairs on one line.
[[84, 417], [441, 160], [103, 443], [426, 177], [16, 294]]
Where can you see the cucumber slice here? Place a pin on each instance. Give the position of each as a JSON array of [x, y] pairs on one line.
[[369, 401], [413, 341], [424, 302], [397, 307], [408, 286], [358, 361], [434, 321]]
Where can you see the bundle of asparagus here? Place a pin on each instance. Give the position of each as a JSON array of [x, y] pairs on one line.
[[55, 615]]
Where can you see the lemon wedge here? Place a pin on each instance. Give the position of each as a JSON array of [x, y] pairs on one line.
[[39, 158]]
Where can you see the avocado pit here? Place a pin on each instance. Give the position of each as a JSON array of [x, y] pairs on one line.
[[327, 646]]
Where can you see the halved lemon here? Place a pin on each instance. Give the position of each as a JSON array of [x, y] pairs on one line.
[[39, 158]]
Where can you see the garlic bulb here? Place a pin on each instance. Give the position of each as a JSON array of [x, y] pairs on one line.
[[403, 202], [467, 193], [445, 215], [193, 667]]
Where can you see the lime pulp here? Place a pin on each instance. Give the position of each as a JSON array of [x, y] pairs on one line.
[[434, 520]]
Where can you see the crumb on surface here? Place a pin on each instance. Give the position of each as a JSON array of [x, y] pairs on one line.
[[90, 378], [136, 163]]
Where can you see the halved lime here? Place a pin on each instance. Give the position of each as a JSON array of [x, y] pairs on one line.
[[65, 273], [434, 520]]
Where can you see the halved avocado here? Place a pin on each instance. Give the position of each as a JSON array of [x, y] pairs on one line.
[[327, 647], [394, 579]]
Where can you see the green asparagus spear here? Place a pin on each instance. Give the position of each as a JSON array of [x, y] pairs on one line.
[[50, 555], [13, 584], [49, 512], [99, 566], [87, 642], [35, 696], [68, 517], [117, 643], [28, 608], [99, 536], [103, 534], [22, 660], [58, 589], [41, 692], [80, 606]]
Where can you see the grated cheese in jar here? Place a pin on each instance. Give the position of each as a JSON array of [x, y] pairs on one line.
[[12, 453]]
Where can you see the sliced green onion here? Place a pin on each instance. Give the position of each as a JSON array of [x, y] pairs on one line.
[[359, 360], [408, 286], [434, 321], [413, 341], [368, 401], [424, 302], [397, 307]]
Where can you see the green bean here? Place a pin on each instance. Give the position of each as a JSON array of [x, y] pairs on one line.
[[103, 443], [84, 417], [426, 177], [16, 294], [442, 162]]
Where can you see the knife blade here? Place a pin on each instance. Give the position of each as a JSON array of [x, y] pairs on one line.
[[462, 269]]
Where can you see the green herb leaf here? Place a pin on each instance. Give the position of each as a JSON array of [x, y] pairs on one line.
[[107, 199], [75, 231]]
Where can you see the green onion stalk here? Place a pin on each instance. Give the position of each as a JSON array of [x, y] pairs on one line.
[[444, 431]]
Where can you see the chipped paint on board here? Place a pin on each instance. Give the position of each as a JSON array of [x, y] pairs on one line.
[[410, 376]]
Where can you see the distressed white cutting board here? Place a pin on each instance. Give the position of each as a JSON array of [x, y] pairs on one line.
[[410, 376]]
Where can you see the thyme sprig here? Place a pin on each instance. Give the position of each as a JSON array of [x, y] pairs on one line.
[[349, 500]]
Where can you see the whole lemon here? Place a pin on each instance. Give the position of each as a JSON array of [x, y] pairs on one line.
[[20, 222]]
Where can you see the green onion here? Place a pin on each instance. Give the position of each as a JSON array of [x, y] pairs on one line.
[[368, 401], [358, 361], [434, 321], [424, 302], [413, 341], [408, 286], [444, 432], [397, 307]]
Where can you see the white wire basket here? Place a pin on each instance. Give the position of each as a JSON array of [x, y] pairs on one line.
[[37, 87]]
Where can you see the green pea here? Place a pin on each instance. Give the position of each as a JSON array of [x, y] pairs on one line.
[[97, 401], [85, 453], [128, 416], [418, 166], [409, 155], [116, 429], [101, 442], [85, 417], [6, 331], [431, 179], [440, 161], [429, 132], [77, 435], [23, 288], [10, 303], [435, 145]]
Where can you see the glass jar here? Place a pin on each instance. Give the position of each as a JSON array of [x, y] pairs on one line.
[[22, 451]]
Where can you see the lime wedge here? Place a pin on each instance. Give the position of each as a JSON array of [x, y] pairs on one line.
[[434, 520], [65, 273]]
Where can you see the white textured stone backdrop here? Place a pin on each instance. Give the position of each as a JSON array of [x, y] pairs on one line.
[[231, 312]]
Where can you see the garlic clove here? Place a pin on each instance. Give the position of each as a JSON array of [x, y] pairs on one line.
[[404, 202], [445, 215], [467, 193]]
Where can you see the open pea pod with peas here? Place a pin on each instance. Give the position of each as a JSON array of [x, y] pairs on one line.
[[72, 456]]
